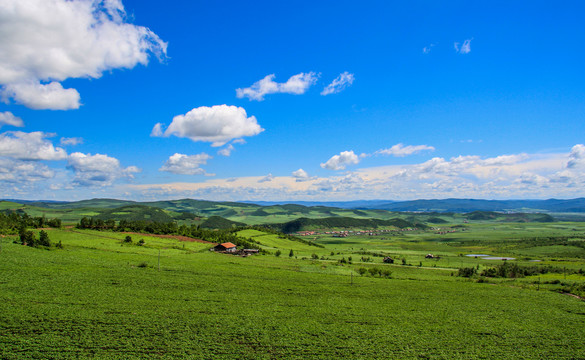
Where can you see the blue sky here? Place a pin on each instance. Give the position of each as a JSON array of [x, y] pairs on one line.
[[302, 100]]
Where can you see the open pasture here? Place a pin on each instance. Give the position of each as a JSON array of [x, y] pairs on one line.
[[101, 298]]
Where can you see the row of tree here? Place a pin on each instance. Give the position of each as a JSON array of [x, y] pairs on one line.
[[169, 228], [11, 223]]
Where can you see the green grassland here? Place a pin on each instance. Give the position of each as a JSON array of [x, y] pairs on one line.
[[102, 298]]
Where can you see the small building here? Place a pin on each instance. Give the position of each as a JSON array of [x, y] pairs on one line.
[[227, 247]]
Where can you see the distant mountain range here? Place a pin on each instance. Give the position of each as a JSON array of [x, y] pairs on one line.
[[452, 205], [441, 206]]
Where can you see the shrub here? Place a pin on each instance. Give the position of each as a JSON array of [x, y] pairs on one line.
[[277, 253], [128, 239], [467, 272], [44, 239]]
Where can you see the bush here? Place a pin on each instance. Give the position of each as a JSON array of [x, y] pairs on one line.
[[386, 273], [467, 272], [44, 239], [362, 271], [143, 264], [128, 239], [277, 253], [141, 242]]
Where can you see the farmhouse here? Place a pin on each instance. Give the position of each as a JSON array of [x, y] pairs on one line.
[[227, 247]]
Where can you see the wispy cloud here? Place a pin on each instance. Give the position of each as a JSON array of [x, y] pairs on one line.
[[226, 151], [296, 84], [465, 48], [72, 141], [427, 49], [339, 84], [7, 118], [499, 177], [400, 150]]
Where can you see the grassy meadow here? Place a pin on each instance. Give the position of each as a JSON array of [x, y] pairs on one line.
[[101, 298]]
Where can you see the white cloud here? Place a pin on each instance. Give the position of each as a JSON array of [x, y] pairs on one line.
[[217, 124], [463, 49], [71, 141], [226, 151], [339, 84], [427, 49], [186, 164], [29, 146], [470, 176], [44, 42], [39, 96], [400, 150], [339, 162], [18, 171], [296, 84], [577, 156], [98, 169], [266, 178], [157, 130], [300, 174], [7, 118]]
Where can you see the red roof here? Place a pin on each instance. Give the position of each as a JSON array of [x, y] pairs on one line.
[[228, 245]]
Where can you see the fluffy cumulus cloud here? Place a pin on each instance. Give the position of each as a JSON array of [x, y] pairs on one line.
[[468, 176], [300, 174], [400, 150], [21, 172], [29, 146], [577, 156], [217, 124], [341, 161], [7, 118], [464, 48], [98, 169], [186, 164], [339, 84], [266, 178], [296, 84], [44, 42]]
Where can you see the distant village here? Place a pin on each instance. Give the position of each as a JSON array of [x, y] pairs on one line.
[[346, 233]]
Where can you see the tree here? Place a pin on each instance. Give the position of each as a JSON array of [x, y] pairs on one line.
[[44, 239], [277, 253], [291, 253], [27, 237]]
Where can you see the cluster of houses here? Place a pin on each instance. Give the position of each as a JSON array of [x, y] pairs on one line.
[[230, 248], [350, 232]]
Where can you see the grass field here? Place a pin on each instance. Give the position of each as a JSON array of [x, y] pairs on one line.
[[100, 298]]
